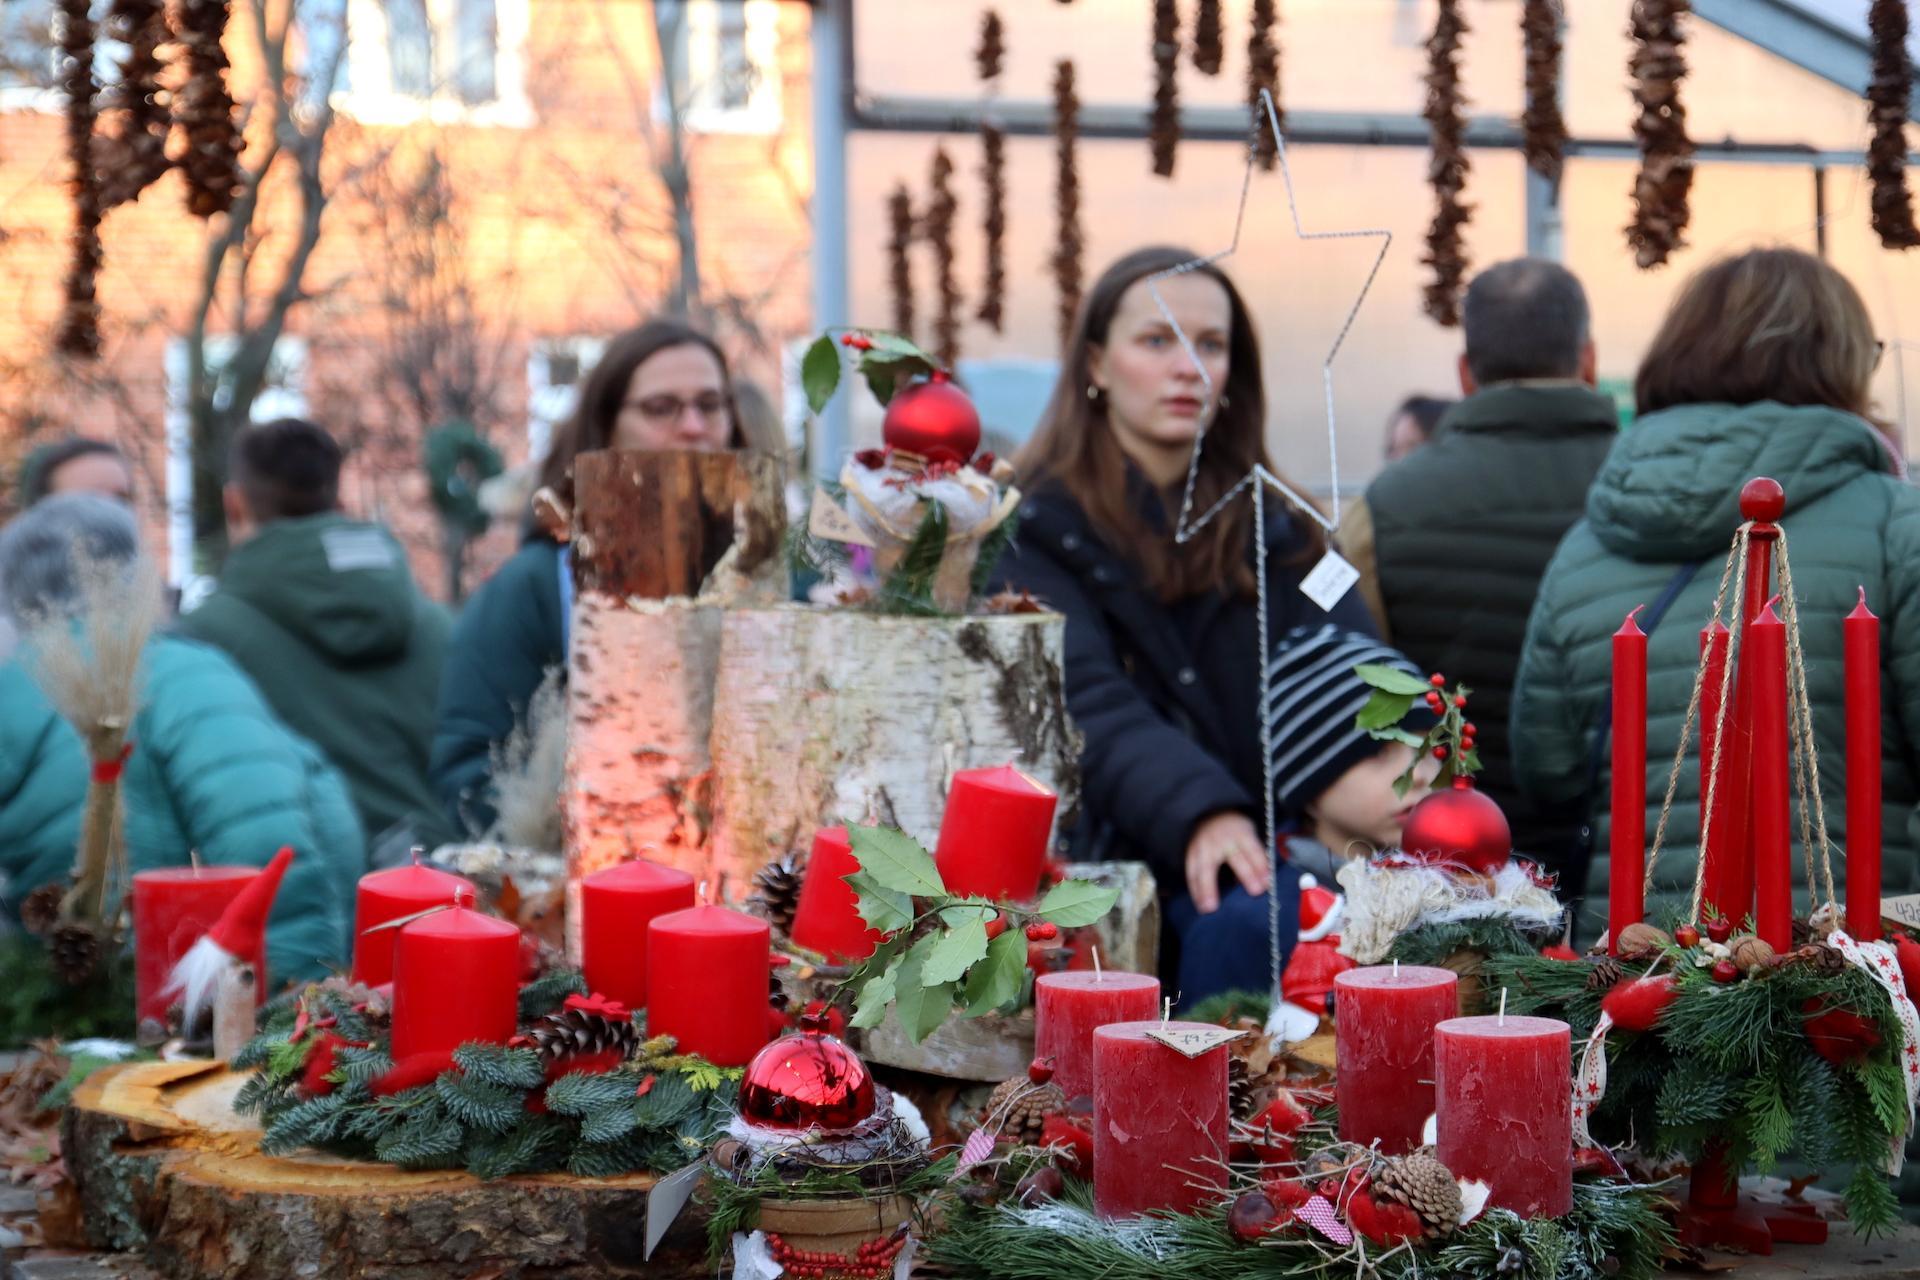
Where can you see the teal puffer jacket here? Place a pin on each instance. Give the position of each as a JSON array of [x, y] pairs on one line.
[[211, 770], [1668, 494]]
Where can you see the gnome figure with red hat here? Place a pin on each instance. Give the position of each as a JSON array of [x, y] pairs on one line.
[[217, 972]]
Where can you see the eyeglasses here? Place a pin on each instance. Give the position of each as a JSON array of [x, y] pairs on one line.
[[665, 410]]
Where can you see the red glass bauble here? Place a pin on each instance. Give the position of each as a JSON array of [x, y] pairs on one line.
[[1460, 827], [808, 1080], [934, 419]]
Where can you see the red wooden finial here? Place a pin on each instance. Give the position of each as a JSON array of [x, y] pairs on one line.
[[1762, 500]]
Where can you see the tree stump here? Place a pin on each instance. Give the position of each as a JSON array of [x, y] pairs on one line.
[[828, 715], [164, 1168]]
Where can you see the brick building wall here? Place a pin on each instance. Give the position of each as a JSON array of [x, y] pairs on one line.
[[561, 222]]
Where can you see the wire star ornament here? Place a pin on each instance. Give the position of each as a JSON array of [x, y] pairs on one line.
[[1257, 481]]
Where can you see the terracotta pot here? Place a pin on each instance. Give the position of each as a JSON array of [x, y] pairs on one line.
[[838, 1227]]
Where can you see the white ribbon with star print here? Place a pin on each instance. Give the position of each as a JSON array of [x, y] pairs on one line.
[[1881, 964], [1590, 1083]]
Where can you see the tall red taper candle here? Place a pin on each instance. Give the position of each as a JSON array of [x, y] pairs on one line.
[[994, 834], [1627, 863], [1714, 643], [617, 906], [708, 974], [456, 977], [1772, 783], [1862, 631], [826, 918]]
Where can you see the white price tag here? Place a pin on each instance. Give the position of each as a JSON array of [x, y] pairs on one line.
[[1331, 579], [828, 521], [1194, 1041], [667, 1198], [1902, 911]]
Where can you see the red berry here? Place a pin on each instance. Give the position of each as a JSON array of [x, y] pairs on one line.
[[1439, 753], [1459, 699], [1468, 729], [1043, 931], [1437, 680], [1725, 971], [1466, 744], [1435, 701], [1687, 936], [1040, 1070]]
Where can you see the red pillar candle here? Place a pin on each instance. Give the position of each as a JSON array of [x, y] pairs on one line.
[[994, 834], [172, 908], [616, 907], [1862, 631], [1383, 1020], [827, 916], [1714, 641], [1772, 783], [390, 895], [708, 972], [1505, 1093], [1068, 1006], [1159, 1121], [456, 977], [1627, 863]]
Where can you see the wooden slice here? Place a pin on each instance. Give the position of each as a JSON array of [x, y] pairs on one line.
[[165, 1168]]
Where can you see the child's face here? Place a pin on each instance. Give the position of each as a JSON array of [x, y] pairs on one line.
[[1361, 808]]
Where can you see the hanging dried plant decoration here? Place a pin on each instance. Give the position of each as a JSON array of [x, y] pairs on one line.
[[1889, 95], [990, 59], [1209, 38], [1263, 73], [942, 212], [1660, 212], [79, 329], [1447, 166], [1163, 127], [899, 266], [211, 162], [1543, 129], [132, 157], [1068, 244]]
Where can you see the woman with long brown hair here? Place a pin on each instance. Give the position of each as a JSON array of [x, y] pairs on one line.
[[663, 385], [1162, 649]]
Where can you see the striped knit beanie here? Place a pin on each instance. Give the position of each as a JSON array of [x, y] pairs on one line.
[[1312, 699]]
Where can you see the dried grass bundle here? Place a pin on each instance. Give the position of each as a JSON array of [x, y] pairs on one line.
[[87, 661], [529, 769]]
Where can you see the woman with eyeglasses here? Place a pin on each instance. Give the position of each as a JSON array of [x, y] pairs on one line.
[[1762, 367], [664, 385]]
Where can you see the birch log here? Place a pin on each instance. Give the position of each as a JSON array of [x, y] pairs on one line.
[[829, 715]]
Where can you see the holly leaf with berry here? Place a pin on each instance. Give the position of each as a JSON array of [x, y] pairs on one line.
[[1450, 740], [885, 360], [941, 950]]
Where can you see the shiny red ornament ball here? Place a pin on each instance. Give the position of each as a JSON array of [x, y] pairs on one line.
[[1637, 1005], [808, 1080], [1687, 936], [934, 419], [1040, 1070], [1725, 971], [1719, 928], [1841, 1036], [1458, 827]]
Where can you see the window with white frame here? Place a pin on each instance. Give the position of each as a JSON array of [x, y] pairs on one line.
[[30, 53], [284, 395], [724, 63], [439, 60], [555, 369]]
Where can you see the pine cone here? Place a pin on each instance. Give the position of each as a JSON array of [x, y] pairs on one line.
[[1827, 960], [1605, 974], [1240, 1088], [40, 910], [575, 1031], [776, 891], [1424, 1185], [1021, 1108], [74, 948]]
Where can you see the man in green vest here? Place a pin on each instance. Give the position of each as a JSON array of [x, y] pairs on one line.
[[1452, 540], [322, 612]]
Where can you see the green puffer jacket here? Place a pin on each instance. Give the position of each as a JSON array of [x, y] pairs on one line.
[[211, 770], [1668, 494]]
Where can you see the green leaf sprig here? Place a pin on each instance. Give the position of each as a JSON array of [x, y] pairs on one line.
[[887, 361], [1450, 740], [943, 950]]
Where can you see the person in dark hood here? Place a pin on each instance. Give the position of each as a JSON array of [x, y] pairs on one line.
[[322, 612]]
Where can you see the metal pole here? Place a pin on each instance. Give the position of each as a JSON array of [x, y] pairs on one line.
[[831, 53]]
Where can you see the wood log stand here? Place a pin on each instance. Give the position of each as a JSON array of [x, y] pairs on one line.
[[164, 1169]]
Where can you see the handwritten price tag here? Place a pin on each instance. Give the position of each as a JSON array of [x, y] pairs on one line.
[[1329, 580], [828, 520], [1195, 1041], [1902, 911]]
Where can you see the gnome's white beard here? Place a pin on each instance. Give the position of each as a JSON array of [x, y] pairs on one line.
[[197, 976]]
